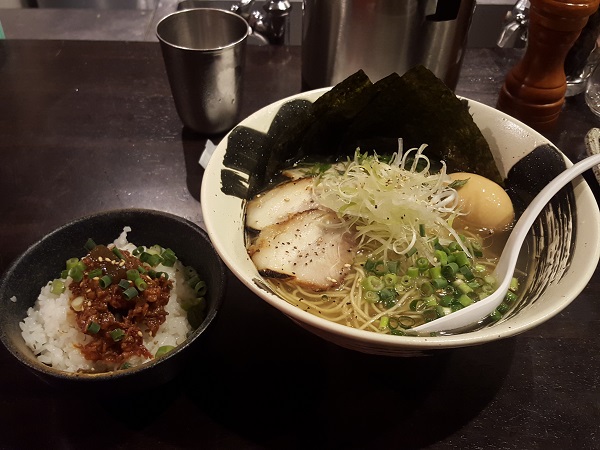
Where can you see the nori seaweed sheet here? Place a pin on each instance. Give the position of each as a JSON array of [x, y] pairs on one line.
[[417, 107]]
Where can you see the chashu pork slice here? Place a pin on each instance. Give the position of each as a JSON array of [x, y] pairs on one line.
[[280, 203], [309, 249]]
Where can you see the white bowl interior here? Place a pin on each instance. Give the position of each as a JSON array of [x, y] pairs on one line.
[[509, 141]]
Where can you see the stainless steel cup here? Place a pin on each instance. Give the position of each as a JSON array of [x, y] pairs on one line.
[[204, 51], [340, 37]]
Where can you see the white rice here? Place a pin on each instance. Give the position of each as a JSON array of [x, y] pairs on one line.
[[51, 332]]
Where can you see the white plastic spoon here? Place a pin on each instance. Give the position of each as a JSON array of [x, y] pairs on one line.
[[506, 264]]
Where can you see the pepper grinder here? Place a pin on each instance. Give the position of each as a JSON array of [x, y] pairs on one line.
[[534, 89]]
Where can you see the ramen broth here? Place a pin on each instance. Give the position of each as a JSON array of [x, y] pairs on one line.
[[391, 282]]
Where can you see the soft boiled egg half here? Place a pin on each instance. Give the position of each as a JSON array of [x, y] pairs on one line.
[[484, 204]]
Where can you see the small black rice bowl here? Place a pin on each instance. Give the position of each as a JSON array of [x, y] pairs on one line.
[[21, 284]]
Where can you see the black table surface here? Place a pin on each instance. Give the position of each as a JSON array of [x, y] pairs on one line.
[[91, 126]]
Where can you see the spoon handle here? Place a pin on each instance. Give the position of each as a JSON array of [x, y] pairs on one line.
[[510, 254]]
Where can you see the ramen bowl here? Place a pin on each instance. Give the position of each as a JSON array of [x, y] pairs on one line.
[[556, 258], [21, 284]]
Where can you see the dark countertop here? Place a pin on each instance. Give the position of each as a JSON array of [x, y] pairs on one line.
[[90, 126]]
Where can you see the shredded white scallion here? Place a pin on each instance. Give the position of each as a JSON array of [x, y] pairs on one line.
[[389, 202]]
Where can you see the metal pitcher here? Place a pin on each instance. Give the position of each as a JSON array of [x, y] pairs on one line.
[[340, 37]]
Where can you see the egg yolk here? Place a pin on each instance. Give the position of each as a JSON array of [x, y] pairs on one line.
[[485, 204]]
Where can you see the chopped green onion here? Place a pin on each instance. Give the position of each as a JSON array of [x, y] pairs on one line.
[[412, 272], [163, 350], [430, 300], [89, 244], [71, 262], [442, 310], [430, 314], [479, 268], [124, 284], [411, 252], [406, 281], [435, 272], [117, 334], [200, 288], [510, 297], [130, 293], [96, 273], [93, 328], [76, 273], [140, 284], [388, 297], [390, 279], [57, 287], [422, 264], [427, 288], [441, 257], [168, 257], [392, 267], [406, 321], [495, 315], [453, 246], [488, 289], [490, 279], [188, 303], [371, 296], [190, 271], [64, 274], [105, 281], [466, 271], [422, 229], [456, 306], [196, 315], [373, 283], [456, 184], [449, 270], [446, 300], [162, 274], [514, 284], [380, 268], [118, 252], [132, 274], [393, 323], [503, 308], [193, 280], [477, 250], [138, 250], [463, 287], [474, 284], [417, 305], [155, 250], [383, 322], [150, 258], [462, 259], [465, 300], [439, 283]]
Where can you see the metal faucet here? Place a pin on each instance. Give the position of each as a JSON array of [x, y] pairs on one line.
[[514, 28], [272, 24]]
